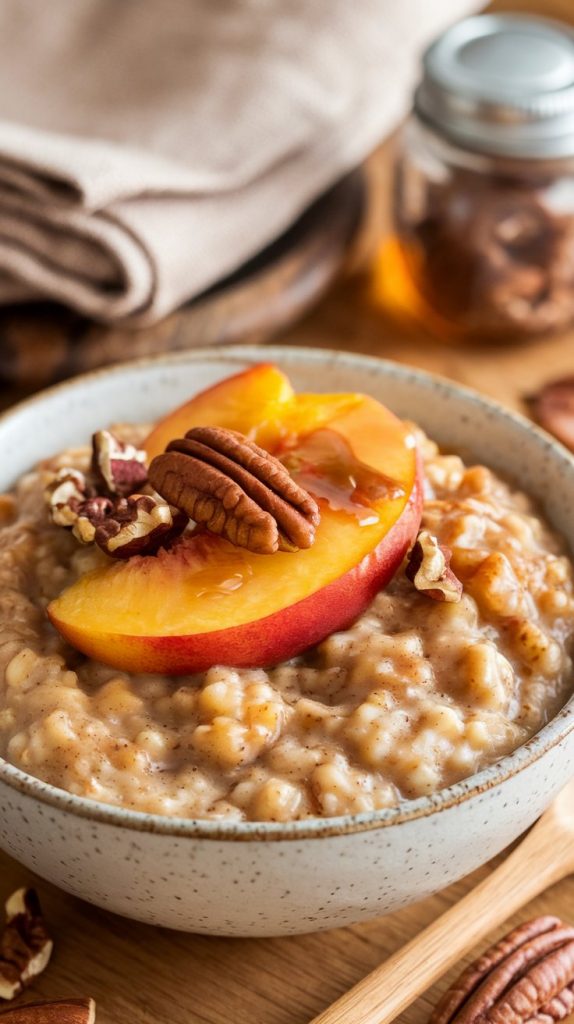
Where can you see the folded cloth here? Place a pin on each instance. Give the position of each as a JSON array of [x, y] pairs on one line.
[[150, 147]]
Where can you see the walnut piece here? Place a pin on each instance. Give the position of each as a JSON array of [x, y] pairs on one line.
[[236, 489], [118, 468], [64, 494], [25, 945], [90, 514], [60, 1011], [428, 567], [137, 525], [528, 977], [121, 525]]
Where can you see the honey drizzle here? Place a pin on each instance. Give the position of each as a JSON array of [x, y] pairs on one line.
[[324, 464]]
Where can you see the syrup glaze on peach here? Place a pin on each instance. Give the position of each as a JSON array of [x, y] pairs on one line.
[[358, 460], [411, 696]]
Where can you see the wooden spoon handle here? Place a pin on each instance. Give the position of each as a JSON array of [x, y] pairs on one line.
[[543, 858]]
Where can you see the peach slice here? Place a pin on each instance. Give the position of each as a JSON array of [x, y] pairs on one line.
[[251, 397], [205, 602], [259, 402]]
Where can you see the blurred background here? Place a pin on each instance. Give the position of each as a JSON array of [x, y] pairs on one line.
[[377, 313], [355, 270]]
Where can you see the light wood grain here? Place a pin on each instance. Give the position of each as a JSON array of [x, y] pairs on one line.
[[544, 857], [152, 976]]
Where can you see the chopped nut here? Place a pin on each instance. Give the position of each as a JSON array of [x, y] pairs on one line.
[[60, 1011], [65, 494], [106, 509], [428, 567], [25, 946], [235, 488], [528, 976], [118, 468], [90, 514], [138, 525]]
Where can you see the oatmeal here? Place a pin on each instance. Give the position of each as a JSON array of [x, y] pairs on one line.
[[414, 696]]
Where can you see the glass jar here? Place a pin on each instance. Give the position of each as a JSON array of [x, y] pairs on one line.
[[484, 182]]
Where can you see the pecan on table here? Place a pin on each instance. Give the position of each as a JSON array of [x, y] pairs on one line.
[[236, 489], [527, 978], [60, 1011], [553, 408], [428, 568], [25, 945]]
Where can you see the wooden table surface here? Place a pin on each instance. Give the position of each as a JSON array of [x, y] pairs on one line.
[[144, 975]]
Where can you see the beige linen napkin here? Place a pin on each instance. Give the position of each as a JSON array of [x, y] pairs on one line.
[[149, 147]]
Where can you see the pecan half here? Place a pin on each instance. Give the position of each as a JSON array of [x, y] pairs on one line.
[[118, 468], [25, 945], [527, 977], [553, 408], [64, 494], [235, 488], [137, 525], [428, 567], [60, 1011]]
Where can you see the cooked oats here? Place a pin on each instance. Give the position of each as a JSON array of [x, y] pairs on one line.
[[414, 696]]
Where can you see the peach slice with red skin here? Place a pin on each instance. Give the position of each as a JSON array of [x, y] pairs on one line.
[[206, 602]]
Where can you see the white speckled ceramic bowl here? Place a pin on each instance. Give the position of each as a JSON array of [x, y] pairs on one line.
[[271, 879]]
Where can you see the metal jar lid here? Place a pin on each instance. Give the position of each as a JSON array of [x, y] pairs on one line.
[[502, 84]]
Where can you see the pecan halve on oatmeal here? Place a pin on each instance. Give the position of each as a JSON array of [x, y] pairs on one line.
[[235, 488]]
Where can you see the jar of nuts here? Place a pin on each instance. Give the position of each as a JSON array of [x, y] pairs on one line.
[[484, 183]]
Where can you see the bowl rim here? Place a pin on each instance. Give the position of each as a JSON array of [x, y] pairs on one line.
[[552, 734]]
